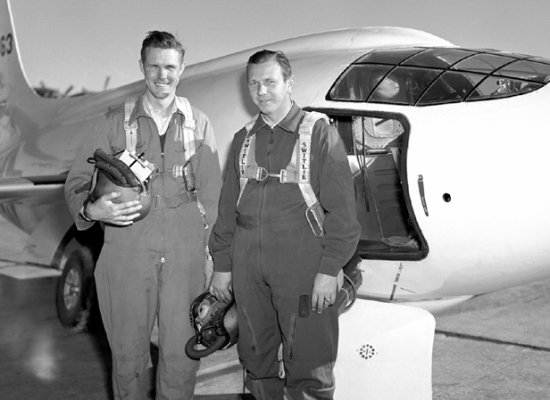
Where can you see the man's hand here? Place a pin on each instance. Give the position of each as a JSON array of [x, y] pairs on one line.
[[221, 286], [325, 289], [104, 209]]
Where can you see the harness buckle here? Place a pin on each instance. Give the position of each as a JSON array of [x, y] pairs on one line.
[[316, 217], [283, 176], [257, 173]]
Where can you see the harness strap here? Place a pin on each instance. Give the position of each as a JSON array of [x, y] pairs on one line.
[[247, 158], [186, 133], [131, 129], [315, 214], [301, 159], [297, 171]]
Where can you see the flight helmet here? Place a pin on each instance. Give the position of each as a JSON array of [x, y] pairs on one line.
[[215, 325], [113, 175]]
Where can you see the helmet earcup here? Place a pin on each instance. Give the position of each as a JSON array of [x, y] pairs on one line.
[[215, 325], [105, 185]]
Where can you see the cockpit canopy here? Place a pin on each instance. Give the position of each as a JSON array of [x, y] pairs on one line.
[[422, 76]]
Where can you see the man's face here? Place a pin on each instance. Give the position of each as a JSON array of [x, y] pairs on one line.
[[162, 70], [269, 90]]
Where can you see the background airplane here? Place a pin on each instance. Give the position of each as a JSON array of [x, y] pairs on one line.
[[452, 205]]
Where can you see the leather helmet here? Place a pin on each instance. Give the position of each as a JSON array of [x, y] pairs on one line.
[[215, 325], [113, 175]]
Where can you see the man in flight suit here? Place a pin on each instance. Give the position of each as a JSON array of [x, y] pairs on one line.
[[156, 266], [283, 276]]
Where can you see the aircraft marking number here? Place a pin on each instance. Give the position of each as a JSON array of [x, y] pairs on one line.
[[6, 44]]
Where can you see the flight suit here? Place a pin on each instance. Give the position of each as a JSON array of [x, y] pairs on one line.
[[264, 239], [155, 265]]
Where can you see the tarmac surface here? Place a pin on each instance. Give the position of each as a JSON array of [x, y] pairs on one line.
[[495, 346]]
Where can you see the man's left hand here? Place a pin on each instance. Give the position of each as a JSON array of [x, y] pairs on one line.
[[325, 289]]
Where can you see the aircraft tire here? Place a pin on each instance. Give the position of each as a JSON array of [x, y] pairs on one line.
[[73, 287]]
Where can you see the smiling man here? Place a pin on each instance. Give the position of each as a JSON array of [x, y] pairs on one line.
[[286, 226], [155, 265]]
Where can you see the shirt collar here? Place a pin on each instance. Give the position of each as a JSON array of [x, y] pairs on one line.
[[147, 106], [289, 123], [178, 106], [291, 120]]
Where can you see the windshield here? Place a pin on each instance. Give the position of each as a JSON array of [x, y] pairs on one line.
[[429, 76]]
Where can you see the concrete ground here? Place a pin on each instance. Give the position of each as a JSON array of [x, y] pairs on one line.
[[495, 346]]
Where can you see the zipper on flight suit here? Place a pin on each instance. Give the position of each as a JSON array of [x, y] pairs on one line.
[[163, 163], [264, 184]]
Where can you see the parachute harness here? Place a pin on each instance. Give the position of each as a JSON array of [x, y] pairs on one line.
[[297, 171]]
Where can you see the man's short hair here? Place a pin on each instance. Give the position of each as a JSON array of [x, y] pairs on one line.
[[267, 55], [161, 40]]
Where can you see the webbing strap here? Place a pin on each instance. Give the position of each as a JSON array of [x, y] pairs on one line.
[[315, 214], [301, 158], [131, 129], [247, 156], [187, 134], [187, 131]]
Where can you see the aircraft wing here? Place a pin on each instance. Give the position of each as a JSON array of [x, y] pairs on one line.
[[36, 205], [14, 189]]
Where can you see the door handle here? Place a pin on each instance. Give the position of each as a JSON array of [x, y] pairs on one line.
[[422, 195]]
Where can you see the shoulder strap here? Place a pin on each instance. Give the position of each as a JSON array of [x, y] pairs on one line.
[[131, 129], [302, 151], [247, 149], [187, 133], [302, 157], [247, 153]]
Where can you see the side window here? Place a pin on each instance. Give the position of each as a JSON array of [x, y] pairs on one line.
[[451, 86], [495, 86], [357, 83]]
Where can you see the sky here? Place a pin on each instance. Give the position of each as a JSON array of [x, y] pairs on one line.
[[93, 44]]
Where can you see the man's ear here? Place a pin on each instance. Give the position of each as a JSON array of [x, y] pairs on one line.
[[182, 68], [142, 69], [291, 82]]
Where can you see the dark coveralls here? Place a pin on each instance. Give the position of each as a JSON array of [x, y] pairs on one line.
[[157, 264], [270, 249]]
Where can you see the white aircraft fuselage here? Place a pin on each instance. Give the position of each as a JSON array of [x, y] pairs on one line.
[[454, 206]]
